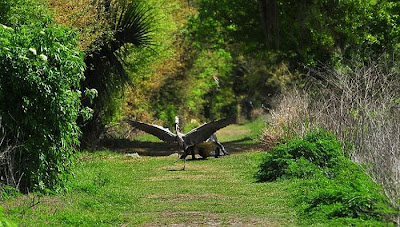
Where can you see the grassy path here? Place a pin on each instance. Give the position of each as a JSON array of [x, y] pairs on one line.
[[117, 190], [113, 189]]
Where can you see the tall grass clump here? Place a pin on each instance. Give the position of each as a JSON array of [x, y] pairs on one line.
[[287, 119], [361, 105]]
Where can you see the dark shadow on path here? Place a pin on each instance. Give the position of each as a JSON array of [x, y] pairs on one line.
[[236, 146], [165, 149]]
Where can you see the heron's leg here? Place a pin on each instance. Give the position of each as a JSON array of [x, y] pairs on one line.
[[221, 148], [187, 152], [184, 164], [184, 155], [179, 158]]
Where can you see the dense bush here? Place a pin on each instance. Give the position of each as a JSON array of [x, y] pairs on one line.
[[360, 103], [19, 12], [343, 191], [330, 185], [319, 148], [87, 16], [40, 101]]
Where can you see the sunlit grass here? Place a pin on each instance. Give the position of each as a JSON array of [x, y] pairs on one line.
[[247, 133], [113, 189]]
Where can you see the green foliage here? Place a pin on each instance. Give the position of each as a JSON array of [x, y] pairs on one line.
[[149, 68], [19, 12], [131, 24], [332, 189], [315, 30], [318, 149], [22, 12], [309, 31], [220, 23], [344, 191], [222, 64], [4, 222], [40, 100], [204, 91]]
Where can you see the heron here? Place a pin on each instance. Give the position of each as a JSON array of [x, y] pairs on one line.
[[201, 140]]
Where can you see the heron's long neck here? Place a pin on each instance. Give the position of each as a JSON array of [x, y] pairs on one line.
[[179, 136], [177, 129]]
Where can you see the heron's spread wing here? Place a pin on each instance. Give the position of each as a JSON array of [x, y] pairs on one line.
[[203, 132], [162, 133]]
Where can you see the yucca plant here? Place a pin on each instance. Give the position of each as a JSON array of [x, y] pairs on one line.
[[131, 25]]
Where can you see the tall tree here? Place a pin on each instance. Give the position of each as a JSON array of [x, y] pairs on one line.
[[269, 13], [131, 24]]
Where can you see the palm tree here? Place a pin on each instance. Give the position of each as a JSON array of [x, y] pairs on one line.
[[131, 24]]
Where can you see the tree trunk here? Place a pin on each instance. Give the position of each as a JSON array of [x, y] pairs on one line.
[[269, 13]]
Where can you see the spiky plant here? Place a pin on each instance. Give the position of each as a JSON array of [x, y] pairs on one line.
[[131, 24]]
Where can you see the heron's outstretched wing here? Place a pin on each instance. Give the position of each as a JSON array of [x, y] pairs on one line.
[[203, 132], [158, 131]]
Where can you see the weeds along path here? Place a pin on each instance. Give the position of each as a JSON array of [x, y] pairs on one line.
[[117, 190]]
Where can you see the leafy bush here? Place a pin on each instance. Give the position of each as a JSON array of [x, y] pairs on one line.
[[319, 148], [19, 12], [40, 101], [343, 191], [331, 187]]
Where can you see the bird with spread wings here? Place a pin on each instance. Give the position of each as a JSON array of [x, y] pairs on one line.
[[199, 140]]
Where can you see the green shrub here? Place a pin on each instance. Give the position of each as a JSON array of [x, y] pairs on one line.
[[342, 192], [317, 149], [331, 187], [40, 101], [19, 12]]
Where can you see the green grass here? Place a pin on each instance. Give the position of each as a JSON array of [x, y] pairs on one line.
[[247, 133], [112, 189]]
